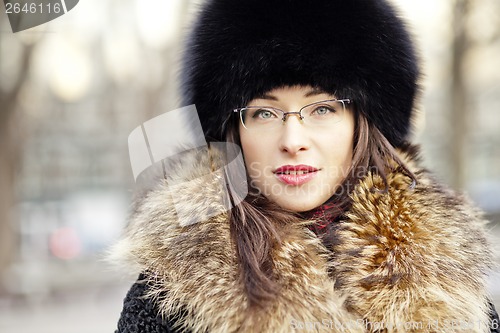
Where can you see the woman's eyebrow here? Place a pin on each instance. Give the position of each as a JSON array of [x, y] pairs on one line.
[[310, 93], [314, 92], [266, 96]]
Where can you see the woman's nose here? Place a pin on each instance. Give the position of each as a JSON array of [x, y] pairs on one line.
[[293, 138]]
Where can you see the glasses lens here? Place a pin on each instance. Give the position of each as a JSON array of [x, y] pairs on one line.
[[257, 118], [324, 113]]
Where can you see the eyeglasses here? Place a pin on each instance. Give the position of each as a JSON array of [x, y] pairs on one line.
[[318, 114]]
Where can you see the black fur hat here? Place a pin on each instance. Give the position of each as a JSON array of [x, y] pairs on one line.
[[357, 49]]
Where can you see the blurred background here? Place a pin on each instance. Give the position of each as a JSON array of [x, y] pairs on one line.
[[72, 90]]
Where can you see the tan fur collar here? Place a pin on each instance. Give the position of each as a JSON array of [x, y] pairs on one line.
[[408, 257]]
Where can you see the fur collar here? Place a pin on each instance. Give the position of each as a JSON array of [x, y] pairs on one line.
[[410, 257]]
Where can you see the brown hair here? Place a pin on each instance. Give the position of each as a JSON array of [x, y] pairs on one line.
[[254, 221]]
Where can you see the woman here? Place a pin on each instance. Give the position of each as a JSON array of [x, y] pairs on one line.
[[342, 229]]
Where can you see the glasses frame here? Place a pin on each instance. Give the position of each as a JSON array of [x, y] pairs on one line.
[[344, 101]]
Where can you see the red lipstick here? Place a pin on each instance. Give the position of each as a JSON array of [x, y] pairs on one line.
[[296, 174]]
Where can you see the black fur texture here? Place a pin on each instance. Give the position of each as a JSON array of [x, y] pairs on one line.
[[357, 49]]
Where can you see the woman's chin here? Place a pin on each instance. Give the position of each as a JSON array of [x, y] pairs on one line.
[[298, 205]]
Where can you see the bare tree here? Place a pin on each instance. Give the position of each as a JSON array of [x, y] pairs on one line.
[[10, 148], [459, 94]]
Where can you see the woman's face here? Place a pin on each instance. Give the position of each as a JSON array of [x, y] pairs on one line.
[[298, 165]]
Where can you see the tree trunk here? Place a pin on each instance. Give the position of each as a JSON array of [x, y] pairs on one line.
[[10, 154], [459, 96], [7, 174]]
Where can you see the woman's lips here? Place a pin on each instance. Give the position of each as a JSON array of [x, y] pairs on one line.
[[296, 174]]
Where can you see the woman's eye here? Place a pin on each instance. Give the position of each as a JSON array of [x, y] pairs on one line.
[[322, 110], [264, 114]]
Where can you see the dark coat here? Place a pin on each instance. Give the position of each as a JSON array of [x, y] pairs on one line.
[[411, 256]]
